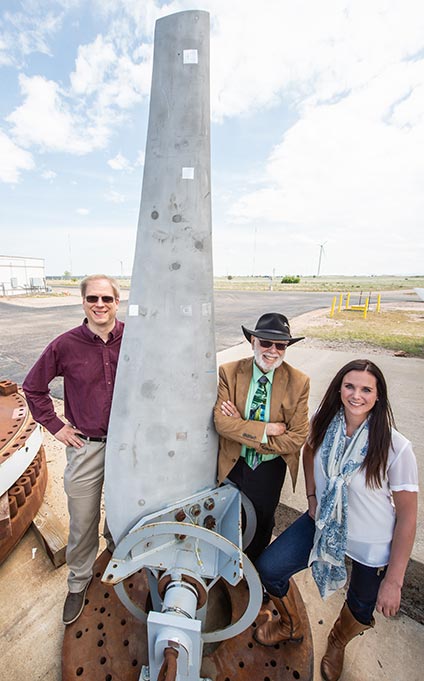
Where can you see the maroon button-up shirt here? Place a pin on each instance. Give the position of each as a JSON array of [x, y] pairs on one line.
[[88, 366]]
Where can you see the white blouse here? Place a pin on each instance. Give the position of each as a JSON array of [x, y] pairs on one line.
[[371, 513]]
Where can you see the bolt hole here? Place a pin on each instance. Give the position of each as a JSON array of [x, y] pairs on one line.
[[123, 622], [126, 642], [250, 644], [273, 663], [241, 664], [296, 674], [134, 663], [100, 643], [80, 671], [78, 634], [102, 660], [102, 609], [108, 677], [100, 625]]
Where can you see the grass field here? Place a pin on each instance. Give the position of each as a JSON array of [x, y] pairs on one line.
[[334, 283], [396, 330]]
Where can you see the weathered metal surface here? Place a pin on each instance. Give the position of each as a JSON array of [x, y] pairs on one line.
[[20, 438], [24, 501], [108, 644], [161, 444], [23, 470]]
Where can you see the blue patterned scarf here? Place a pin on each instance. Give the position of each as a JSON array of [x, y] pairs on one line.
[[339, 463]]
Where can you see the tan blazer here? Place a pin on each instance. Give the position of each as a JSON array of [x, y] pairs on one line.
[[289, 404]]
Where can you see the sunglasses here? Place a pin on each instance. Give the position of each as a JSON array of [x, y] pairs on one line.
[[269, 344], [104, 299]]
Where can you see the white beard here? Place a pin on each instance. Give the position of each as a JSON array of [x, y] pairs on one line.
[[258, 359]]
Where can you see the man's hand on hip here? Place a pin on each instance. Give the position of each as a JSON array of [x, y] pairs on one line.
[[69, 436]]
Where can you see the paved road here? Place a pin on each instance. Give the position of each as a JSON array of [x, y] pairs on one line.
[[25, 331]]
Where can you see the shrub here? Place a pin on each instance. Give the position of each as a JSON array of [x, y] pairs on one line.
[[290, 279]]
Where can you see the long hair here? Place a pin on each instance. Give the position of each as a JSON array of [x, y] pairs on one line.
[[381, 420]]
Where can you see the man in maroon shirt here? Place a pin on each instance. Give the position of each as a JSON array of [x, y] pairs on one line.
[[86, 357]]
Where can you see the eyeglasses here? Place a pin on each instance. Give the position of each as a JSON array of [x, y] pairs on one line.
[[269, 344], [104, 299]]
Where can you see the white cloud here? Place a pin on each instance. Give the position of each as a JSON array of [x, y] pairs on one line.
[[23, 33], [119, 162], [344, 165], [348, 171], [46, 119], [82, 211], [92, 66], [114, 196], [48, 174], [141, 157], [13, 160], [297, 50]]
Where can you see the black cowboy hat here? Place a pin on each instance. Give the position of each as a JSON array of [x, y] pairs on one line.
[[272, 326]]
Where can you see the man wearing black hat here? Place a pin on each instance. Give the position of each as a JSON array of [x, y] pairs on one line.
[[261, 415]]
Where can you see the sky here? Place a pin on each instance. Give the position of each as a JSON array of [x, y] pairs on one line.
[[317, 133]]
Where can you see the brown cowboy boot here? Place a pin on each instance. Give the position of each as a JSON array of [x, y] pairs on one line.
[[345, 628], [287, 628]]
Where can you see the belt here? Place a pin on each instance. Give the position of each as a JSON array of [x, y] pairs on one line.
[[92, 439]]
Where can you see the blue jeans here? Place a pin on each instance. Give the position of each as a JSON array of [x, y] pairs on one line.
[[289, 554]]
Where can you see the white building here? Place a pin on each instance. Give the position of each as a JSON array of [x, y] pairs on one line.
[[20, 275]]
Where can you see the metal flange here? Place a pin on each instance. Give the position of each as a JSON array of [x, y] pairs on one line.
[[161, 539]]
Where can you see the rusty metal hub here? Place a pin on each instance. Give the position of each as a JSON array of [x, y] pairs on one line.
[[107, 643], [25, 493]]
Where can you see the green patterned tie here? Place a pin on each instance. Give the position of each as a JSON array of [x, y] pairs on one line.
[[257, 413]]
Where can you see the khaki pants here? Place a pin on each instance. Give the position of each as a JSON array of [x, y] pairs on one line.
[[83, 482]]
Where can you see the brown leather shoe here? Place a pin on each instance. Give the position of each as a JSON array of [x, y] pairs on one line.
[[287, 628], [74, 605], [345, 628]]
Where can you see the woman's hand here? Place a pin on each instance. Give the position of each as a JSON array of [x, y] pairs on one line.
[[312, 505], [388, 598]]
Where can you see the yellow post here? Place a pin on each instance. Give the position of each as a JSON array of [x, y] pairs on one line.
[[367, 301], [347, 301], [333, 305], [340, 302], [377, 309]]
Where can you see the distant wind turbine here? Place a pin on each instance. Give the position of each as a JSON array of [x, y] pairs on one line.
[[321, 253]]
